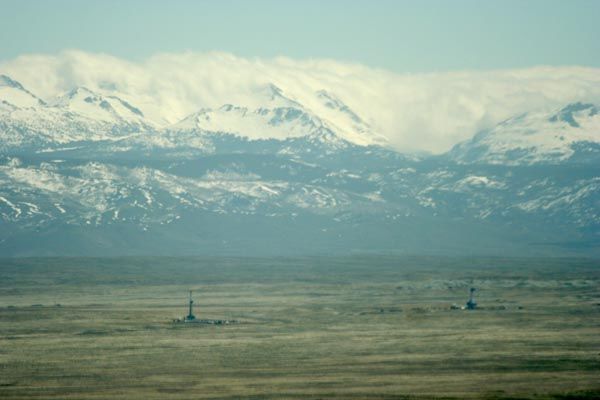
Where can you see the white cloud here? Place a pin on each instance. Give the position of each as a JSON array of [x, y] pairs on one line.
[[417, 112]]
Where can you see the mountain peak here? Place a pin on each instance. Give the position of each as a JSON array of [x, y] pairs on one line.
[[536, 138], [8, 81], [15, 94], [276, 97], [79, 92], [97, 106]]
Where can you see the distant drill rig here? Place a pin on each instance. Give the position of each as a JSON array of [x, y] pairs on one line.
[[471, 305], [190, 317]]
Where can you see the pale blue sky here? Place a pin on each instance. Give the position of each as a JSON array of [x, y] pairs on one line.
[[402, 36]]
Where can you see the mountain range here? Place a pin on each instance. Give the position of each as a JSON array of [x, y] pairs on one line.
[[90, 173]]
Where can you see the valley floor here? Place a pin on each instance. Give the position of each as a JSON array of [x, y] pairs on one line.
[[350, 327]]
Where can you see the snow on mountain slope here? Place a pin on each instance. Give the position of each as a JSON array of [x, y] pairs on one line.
[[344, 119], [38, 128], [535, 138], [52, 193], [14, 95], [81, 115], [263, 123], [280, 117], [80, 193], [91, 159], [97, 193], [92, 105]]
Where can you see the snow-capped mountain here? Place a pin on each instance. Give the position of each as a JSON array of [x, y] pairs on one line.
[[263, 123], [281, 117], [29, 123], [109, 109], [83, 116], [89, 172], [13, 95], [571, 133]]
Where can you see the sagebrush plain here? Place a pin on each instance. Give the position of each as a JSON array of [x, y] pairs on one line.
[[321, 327]]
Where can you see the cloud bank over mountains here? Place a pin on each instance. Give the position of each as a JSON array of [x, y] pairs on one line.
[[416, 112]]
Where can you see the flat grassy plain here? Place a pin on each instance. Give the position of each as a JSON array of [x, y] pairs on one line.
[[349, 327]]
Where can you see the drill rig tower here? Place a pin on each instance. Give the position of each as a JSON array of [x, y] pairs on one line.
[[190, 316], [471, 303], [191, 319]]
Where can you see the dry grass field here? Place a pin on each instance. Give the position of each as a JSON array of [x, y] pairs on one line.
[[311, 328]]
